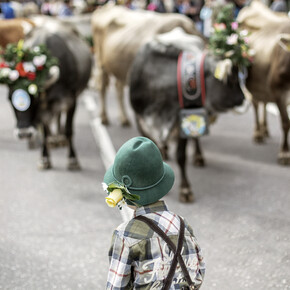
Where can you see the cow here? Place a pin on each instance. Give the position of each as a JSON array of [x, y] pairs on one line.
[[12, 30], [118, 33], [155, 101], [61, 90], [82, 23], [268, 78]]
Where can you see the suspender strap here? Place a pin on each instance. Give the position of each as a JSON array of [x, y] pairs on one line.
[[169, 278], [171, 245]]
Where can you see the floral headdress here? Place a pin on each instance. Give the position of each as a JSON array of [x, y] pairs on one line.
[[118, 194], [228, 41], [25, 68]]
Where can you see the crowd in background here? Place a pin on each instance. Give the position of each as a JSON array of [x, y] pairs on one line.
[[9, 9], [200, 11]]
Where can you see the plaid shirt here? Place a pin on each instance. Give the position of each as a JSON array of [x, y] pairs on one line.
[[140, 258]]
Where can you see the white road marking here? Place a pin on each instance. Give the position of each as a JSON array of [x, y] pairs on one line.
[[103, 139], [105, 144]]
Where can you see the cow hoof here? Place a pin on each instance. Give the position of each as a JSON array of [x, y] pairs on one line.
[[44, 164], [198, 162], [266, 134], [186, 196], [258, 138], [57, 141], [73, 164], [264, 131], [105, 121], [125, 123], [284, 158]]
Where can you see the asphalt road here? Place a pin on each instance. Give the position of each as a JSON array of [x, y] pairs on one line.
[[55, 228]]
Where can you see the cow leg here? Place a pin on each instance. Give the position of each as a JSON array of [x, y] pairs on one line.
[[57, 138], [185, 194], [284, 154], [60, 138], [44, 162], [104, 82], [198, 159], [264, 123], [164, 152], [120, 93], [73, 163], [258, 136]]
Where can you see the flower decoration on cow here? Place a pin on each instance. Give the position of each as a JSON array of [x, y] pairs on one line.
[[26, 68], [229, 41]]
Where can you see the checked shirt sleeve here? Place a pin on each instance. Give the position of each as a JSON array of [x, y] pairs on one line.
[[119, 276]]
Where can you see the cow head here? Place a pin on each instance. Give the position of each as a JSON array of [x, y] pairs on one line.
[[27, 105], [223, 89]]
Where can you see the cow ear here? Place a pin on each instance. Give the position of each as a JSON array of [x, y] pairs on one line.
[[284, 41], [223, 70], [52, 77]]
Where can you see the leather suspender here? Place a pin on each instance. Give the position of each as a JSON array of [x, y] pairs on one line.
[[177, 256]]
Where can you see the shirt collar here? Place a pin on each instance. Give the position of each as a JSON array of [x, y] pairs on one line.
[[150, 208]]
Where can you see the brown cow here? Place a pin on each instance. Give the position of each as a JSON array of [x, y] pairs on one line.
[[12, 30], [269, 76], [118, 33]]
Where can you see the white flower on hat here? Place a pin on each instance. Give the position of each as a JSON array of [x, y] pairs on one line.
[[105, 186]]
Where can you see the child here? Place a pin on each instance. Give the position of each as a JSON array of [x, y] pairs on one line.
[[141, 255]]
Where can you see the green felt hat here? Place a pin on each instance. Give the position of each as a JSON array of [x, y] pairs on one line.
[[139, 166]]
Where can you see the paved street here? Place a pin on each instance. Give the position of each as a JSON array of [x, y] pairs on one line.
[[55, 228]]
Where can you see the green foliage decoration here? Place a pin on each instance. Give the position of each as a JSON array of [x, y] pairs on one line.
[[25, 68], [228, 40]]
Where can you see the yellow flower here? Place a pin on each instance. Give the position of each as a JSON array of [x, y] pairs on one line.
[[20, 44], [19, 48], [243, 47], [114, 197]]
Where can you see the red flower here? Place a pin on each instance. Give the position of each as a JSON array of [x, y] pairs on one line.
[[41, 67], [3, 64], [19, 67], [31, 76]]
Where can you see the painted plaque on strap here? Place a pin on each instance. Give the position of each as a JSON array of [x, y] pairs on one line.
[[21, 100], [193, 123]]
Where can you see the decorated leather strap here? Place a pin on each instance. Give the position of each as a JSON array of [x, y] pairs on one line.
[[177, 257]]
